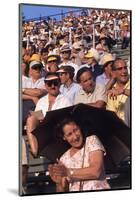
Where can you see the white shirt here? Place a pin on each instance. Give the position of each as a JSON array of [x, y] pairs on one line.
[[60, 102], [24, 79], [28, 83], [97, 95], [70, 91]]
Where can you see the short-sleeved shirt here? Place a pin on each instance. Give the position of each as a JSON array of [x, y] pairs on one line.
[[70, 91], [117, 105], [28, 83], [81, 159], [102, 79], [99, 94], [60, 102]]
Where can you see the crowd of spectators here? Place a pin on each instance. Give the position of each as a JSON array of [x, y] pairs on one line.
[[72, 60]]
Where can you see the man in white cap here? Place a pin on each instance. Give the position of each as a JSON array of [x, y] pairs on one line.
[[66, 58], [91, 59], [52, 101], [32, 88]]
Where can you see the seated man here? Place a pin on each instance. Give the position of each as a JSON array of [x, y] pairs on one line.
[[68, 87], [32, 88], [52, 101], [106, 76], [52, 62], [117, 96], [91, 93]]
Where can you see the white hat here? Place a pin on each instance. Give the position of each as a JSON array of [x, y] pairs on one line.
[[32, 63]]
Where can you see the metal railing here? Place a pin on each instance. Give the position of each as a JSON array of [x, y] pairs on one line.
[[62, 14]]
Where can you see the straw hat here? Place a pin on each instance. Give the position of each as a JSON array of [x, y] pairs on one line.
[[53, 57], [35, 57], [92, 53], [106, 58]]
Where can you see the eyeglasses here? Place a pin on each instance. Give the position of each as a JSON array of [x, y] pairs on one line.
[[65, 52], [61, 73], [52, 82], [120, 68]]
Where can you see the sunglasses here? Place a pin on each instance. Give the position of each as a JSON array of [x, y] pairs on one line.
[[120, 68], [65, 52], [52, 82], [61, 73]]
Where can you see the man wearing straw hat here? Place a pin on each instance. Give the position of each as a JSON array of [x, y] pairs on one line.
[[91, 59], [106, 61]]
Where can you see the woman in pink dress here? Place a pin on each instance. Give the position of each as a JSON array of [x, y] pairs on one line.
[[81, 168]]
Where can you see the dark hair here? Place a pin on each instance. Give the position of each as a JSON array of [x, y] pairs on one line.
[[37, 66], [114, 63], [80, 72], [44, 50], [69, 69], [107, 63], [66, 121]]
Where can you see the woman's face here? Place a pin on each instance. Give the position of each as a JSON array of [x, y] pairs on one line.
[[73, 135]]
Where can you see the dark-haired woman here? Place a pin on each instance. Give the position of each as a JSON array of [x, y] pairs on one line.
[[81, 168]]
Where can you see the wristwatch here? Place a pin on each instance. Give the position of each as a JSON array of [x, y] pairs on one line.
[[23, 90], [69, 176]]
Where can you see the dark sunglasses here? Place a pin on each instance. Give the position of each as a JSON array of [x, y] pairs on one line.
[[52, 82], [120, 68], [61, 73], [65, 52]]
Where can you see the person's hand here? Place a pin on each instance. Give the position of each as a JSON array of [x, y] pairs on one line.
[[54, 177], [60, 170], [113, 93], [59, 180]]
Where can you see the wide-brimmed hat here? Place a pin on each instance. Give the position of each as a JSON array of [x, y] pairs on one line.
[[53, 57], [106, 58], [35, 57], [92, 53], [65, 48], [51, 76]]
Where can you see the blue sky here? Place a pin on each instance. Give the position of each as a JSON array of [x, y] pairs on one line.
[[34, 11]]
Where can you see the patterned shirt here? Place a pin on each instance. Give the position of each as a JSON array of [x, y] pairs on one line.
[[80, 160]]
